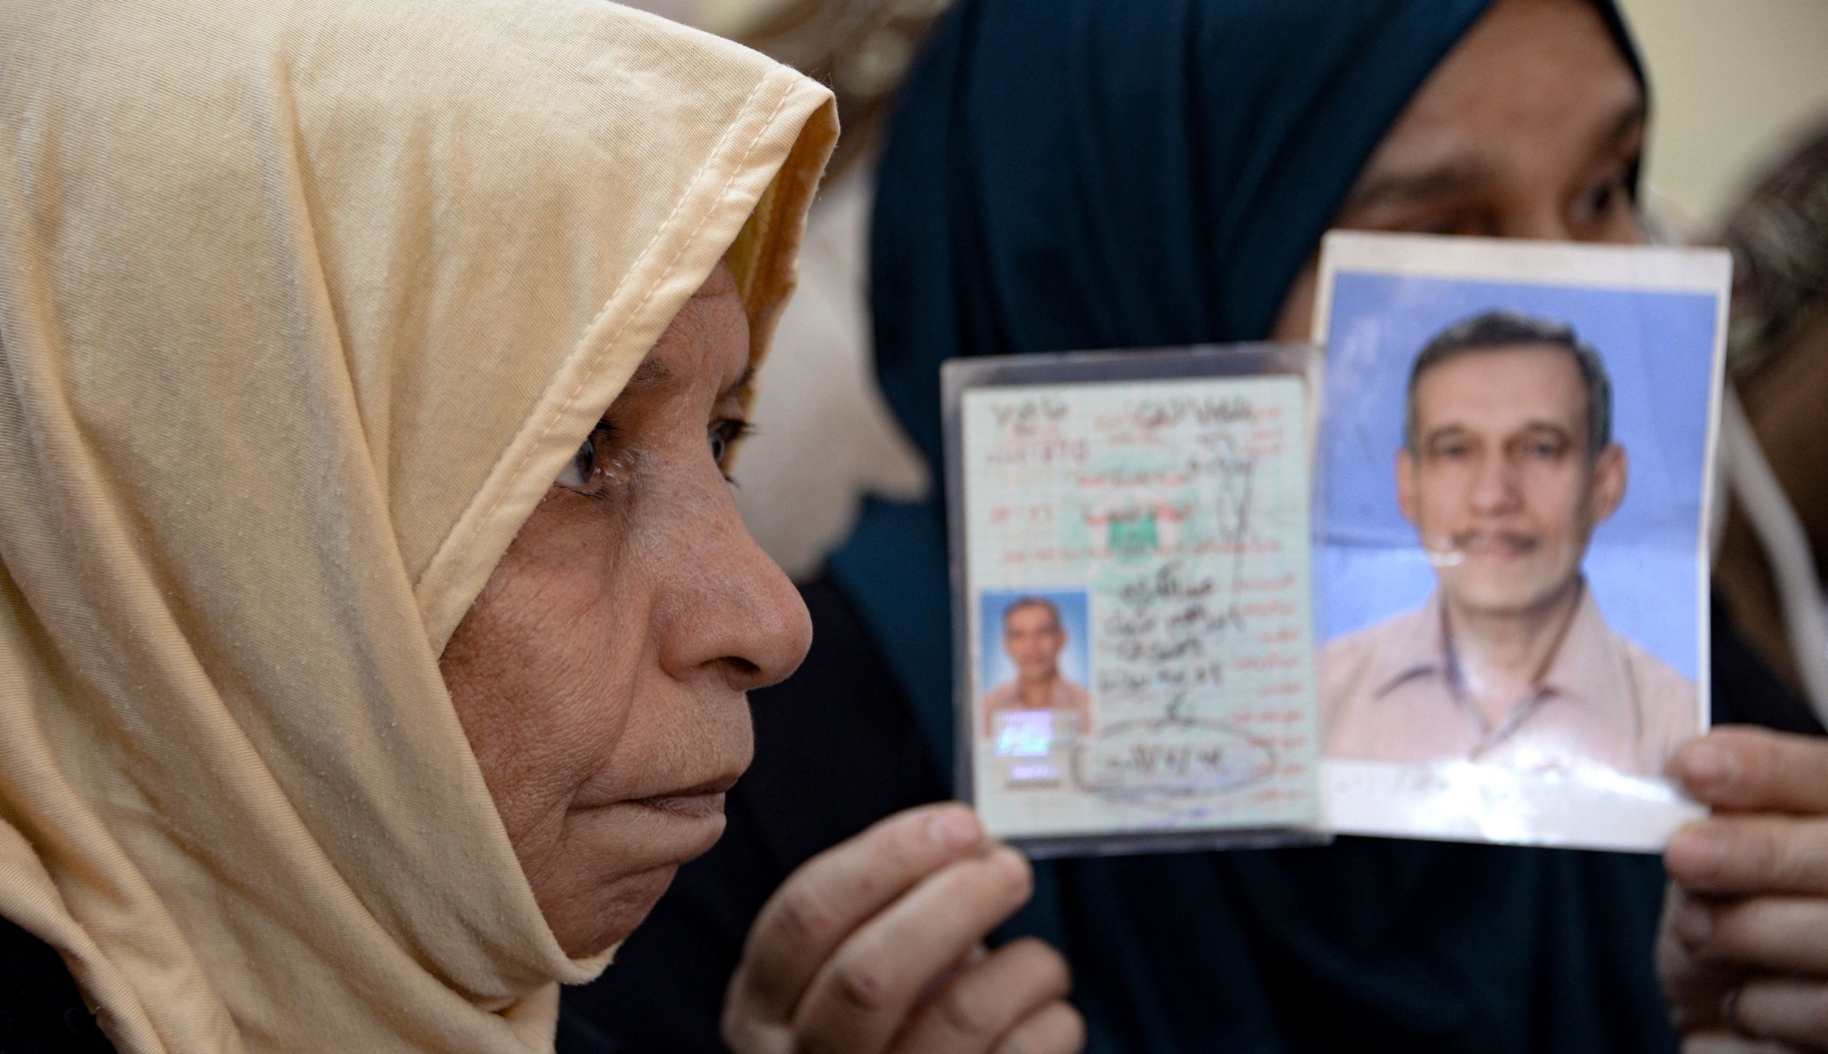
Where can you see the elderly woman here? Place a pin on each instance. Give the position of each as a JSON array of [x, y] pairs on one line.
[[375, 621]]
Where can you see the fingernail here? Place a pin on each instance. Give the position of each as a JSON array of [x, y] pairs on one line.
[[1011, 866], [1693, 851], [1695, 925], [1706, 763], [1729, 1011], [955, 829]]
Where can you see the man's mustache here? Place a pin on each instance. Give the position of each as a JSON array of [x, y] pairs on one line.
[[1450, 550]]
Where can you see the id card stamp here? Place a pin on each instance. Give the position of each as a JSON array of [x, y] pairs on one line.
[[1132, 596]]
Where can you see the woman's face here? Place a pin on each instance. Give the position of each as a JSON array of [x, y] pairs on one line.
[[1530, 128], [600, 675]]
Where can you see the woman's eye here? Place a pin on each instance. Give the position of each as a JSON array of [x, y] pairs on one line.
[[1450, 223], [578, 471], [723, 436], [1602, 199]]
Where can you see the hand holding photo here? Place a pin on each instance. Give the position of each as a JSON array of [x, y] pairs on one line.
[[1515, 602]]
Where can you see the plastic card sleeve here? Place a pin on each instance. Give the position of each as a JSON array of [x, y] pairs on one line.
[[1132, 596]]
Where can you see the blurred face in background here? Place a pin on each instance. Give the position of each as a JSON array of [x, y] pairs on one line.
[[1499, 478], [1531, 127], [1033, 638]]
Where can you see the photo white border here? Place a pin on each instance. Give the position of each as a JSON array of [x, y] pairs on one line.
[[1465, 801]]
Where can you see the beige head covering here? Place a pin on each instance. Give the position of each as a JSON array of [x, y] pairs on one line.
[[303, 304]]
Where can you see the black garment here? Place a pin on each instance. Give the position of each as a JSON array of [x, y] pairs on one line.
[[577, 1035], [41, 1010], [1566, 966], [837, 750], [1745, 691]]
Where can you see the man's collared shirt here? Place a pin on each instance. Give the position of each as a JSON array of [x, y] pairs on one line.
[[1063, 695], [1392, 692]]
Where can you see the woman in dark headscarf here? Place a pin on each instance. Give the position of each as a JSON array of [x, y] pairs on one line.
[[1068, 174], [1097, 174]]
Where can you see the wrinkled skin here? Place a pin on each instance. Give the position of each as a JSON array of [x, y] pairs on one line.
[[601, 679], [600, 675]]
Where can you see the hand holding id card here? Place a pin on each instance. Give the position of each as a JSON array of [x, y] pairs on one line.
[[1503, 634], [1132, 543]]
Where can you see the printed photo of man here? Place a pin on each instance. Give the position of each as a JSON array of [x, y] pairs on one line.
[[1507, 466], [1033, 638]]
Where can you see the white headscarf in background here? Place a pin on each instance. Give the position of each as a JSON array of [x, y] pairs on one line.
[[303, 304]]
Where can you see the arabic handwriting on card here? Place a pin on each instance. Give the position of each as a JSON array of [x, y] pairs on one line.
[[1181, 507]]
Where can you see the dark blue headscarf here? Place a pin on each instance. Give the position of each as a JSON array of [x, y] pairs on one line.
[[1068, 174]]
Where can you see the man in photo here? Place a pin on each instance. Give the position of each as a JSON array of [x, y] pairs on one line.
[[1507, 466], [1033, 638]]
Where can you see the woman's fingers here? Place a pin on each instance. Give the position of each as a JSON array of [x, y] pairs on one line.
[[1012, 995], [1755, 917], [863, 995], [1782, 1009], [822, 903], [1695, 986], [1779, 935], [1730, 856], [1054, 1029], [1742, 769]]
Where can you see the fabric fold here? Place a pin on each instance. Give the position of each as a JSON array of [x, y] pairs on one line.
[[302, 305]]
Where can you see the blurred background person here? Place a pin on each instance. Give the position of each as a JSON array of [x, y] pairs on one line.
[[1777, 357], [1583, 916], [825, 439], [1070, 174], [1770, 631]]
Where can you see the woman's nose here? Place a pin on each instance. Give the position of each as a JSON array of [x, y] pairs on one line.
[[1543, 220], [726, 607]]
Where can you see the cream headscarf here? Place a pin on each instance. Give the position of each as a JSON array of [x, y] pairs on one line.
[[303, 304]]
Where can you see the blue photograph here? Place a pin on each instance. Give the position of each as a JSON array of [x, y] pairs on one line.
[[1509, 522], [1033, 647]]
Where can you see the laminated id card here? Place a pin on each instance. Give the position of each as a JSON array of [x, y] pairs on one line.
[[1132, 596]]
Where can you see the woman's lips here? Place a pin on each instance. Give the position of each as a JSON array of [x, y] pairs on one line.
[[691, 806], [703, 801]]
